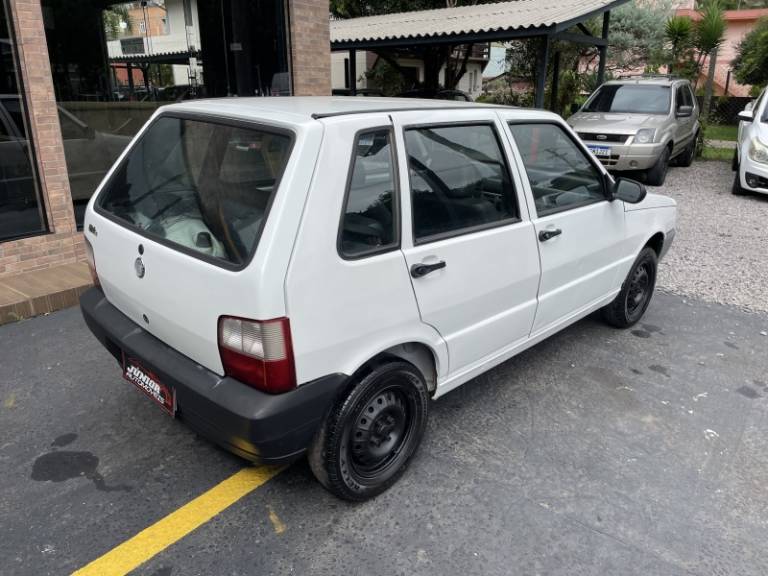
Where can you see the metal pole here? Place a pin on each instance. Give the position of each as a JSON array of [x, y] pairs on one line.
[[603, 50], [555, 82], [353, 72], [541, 72]]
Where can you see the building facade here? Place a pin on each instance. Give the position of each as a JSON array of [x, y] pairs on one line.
[[78, 78], [365, 61]]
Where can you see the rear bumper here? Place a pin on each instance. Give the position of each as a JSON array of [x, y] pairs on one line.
[[260, 427]]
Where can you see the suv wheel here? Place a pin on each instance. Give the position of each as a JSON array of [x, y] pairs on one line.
[[368, 438], [632, 301], [658, 173], [686, 158]]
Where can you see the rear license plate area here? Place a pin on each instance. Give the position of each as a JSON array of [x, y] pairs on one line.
[[148, 382]]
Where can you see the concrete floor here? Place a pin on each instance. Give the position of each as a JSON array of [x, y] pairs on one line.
[[597, 452]]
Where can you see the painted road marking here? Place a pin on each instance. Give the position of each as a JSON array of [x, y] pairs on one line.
[[277, 524], [152, 540]]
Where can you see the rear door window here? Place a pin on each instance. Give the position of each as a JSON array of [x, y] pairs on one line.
[[369, 224], [202, 186], [459, 180]]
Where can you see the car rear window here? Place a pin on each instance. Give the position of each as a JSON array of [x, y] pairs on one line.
[[635, 98], [200, 185]]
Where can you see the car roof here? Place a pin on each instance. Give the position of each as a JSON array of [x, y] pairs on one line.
[[299, 109], [652, 81]]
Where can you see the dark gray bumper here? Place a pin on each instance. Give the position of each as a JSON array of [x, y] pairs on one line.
[[252, 424]]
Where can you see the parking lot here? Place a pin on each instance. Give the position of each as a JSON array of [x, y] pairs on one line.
[[596, 452]]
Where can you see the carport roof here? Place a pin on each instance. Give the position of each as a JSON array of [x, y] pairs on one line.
[[482, 22]]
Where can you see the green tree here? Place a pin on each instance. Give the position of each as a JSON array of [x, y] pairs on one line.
[[708, 36], [679, 33], [751, 63], [739, 4], [112, 18], [636, 40], [454, 58]]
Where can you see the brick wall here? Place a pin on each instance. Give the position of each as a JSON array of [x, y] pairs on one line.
[[64, 244], [310, 64], [310, 47]]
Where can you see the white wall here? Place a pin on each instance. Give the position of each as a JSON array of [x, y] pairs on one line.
[[471, 82], [337, 69]]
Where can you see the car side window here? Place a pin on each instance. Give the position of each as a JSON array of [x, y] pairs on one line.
[[369, 221], [560, 173], [689, 95], [682, 98], [459, 180]]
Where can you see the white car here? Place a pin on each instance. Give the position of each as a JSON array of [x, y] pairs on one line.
[[750, 161], [303, 275]]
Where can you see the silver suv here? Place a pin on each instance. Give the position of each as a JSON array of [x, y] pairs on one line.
[[641, 123]]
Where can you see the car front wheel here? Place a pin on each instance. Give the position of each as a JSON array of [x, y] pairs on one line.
[[636, 292], [370, 435], [686, 158], [658, 173]]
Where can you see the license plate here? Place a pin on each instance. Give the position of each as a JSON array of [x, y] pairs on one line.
[[603, 151], [146, 381]]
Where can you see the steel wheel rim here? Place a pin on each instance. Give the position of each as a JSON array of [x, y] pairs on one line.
[[639, 290], [381, 432]]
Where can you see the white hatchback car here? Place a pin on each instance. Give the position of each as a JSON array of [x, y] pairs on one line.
[[750, 160], [293, 275]]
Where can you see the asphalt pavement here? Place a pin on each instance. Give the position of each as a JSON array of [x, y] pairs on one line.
[[598, 451]]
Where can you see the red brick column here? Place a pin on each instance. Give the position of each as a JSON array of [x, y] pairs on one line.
[[310, 47], [64, 243]]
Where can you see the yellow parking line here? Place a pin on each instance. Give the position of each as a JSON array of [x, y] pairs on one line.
[[152, 540]]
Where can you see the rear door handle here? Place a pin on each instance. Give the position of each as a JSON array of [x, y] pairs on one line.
[[419, 270], [545, 235]]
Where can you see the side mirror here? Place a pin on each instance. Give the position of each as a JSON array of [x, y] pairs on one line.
[[628, 191], [750, 105], [745, 116], [684, 112], [575, 107]]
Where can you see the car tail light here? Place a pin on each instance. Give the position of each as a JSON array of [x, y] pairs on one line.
[[91, 262], [258, 353]]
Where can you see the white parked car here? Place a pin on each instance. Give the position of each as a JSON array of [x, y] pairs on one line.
[[750, 161], [293, 275]]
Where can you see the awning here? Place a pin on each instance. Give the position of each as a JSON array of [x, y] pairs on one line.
[[479, 23]]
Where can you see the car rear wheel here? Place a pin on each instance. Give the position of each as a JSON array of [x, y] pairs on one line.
[[636, 292], [370, 435], [658, 173]]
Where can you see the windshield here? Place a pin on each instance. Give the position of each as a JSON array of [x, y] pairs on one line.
[[635, 98], [200, 185]]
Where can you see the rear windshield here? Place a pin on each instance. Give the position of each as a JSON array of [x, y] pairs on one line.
[[631, 98], [199, 185]]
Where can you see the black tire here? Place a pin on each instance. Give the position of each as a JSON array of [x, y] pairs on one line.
[[386, 412], [737, 189], [636, 292], [735, 161], [656, 175], [685, 159]]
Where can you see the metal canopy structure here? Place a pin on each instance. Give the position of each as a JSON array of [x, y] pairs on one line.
[[547, 19]]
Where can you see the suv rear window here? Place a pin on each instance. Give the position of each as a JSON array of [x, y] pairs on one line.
[[637, 98], [200, 185]]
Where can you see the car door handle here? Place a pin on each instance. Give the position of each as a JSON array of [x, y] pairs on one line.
[[419, 270], [545, 235]]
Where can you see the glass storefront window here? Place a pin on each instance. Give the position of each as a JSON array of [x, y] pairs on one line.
[[114, 63], [21, 212]]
